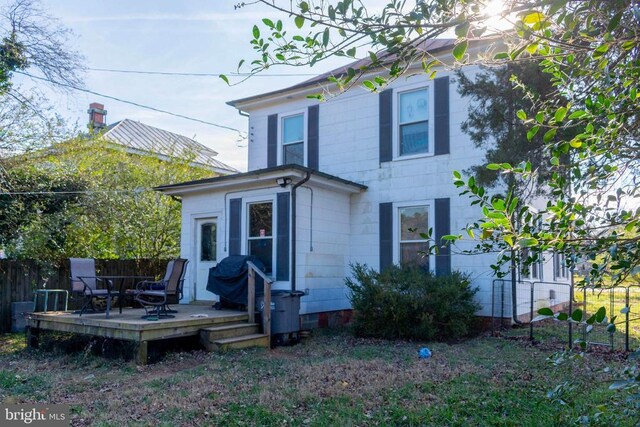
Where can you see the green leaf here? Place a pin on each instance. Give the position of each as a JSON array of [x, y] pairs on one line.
[[493, 166], [577, 114], [450, 237], [299, 21], [224, 78], [601, 314], [545, 311], [498, 204], [555, 161], [549, 135], [351, 52], [532, 132], [560, 114], [463, 29], [457, 174], [460, 49], [528, 242], [562, 316], [501, 55], [268, 22], [521, 115], [325, 37], [368, 84], [611, 328], [256, 32], [576, 315]]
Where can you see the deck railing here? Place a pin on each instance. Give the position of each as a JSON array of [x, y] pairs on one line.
[[251, 298]]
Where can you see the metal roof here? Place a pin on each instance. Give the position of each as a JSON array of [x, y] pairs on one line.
[[428, 46], [148, 139]]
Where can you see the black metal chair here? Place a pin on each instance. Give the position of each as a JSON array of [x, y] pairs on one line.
[[159, 294], [84, 283]]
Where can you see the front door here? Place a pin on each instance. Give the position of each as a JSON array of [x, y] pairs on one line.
[[206, 256]]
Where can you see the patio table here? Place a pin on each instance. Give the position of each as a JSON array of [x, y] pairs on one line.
[[121, 290]]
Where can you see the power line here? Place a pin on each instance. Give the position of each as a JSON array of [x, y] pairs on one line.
[[42, 193], [132, 103], [170, 73]]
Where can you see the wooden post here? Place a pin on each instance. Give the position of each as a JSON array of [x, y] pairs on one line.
[[141, 354], [251, 295]]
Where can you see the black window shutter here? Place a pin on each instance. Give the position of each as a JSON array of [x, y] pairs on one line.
[[386, 235], [441, 115], [386, 125], [282, 257], [443, 227], [235, 231], [313, 141], [272, 141]]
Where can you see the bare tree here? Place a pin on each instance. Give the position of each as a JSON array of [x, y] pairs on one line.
[[33, 41]]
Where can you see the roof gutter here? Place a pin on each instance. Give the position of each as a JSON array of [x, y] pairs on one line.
[[294, 227]]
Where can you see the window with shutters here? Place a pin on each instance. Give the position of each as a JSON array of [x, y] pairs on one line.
[[413, 122], [413, 247], [260, 233], [292, 136], [534, 270]]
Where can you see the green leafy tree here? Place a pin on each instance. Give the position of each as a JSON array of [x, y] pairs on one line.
[[95, 200]]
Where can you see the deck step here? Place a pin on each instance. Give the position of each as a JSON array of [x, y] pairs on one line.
[[228, 330], [252, 340]]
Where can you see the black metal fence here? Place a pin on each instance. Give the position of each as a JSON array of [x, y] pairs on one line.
[[530, 296]]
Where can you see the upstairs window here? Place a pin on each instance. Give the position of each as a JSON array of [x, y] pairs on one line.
[[534, 270], [293, 140], [413, 121], [413, 221]]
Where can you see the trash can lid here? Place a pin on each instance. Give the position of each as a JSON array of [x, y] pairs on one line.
[[285, 292]]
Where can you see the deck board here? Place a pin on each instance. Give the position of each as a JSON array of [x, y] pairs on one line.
[[130, 326]]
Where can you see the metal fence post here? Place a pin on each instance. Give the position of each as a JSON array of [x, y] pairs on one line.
[[570, 313], [533, 285], [626, 320]]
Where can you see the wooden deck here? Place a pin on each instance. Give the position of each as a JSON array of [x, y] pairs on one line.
[[129, 325]]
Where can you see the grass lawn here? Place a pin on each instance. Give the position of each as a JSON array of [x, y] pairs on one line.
[[331, 379]]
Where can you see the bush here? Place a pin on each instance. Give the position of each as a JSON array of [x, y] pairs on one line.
[[410, 303]]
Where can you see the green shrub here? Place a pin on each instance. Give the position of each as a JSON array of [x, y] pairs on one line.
[[410, 303]]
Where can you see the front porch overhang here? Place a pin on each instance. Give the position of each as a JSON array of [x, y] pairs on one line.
[[280, 175]]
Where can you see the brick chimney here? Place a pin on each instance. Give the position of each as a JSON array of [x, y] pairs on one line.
[[97, 117]]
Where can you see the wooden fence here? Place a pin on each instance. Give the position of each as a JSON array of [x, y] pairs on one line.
[[19, 279]]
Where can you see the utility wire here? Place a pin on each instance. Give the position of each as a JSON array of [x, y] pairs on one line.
[[241, 133], [170, 73]]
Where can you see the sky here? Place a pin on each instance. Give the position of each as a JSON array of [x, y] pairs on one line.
[[195, 36]]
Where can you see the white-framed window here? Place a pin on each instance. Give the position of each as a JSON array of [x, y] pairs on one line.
[[413, 122], [560, 270], [292, 137], [260, 233], [533, 271], [208, 241], [412, 247]]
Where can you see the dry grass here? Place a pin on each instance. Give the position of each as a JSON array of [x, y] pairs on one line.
[[331, 379]]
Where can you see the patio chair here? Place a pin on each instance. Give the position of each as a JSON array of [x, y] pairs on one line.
[[159, 294], [84, 283]]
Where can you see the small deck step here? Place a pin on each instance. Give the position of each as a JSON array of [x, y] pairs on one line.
[[228, 330], [244, 341]]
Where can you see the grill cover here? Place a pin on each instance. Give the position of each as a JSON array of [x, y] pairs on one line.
[[230, 279]]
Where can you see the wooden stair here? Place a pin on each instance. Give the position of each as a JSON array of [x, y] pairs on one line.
[[233, 336]]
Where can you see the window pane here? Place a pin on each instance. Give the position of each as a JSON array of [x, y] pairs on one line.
[[263, 249], [413, 218], [414, 138], [413, 106], [260, 219], [294, 154], [293, 129], [208, 242], [410, 253]]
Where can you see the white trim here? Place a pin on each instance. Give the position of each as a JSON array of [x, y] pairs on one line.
[[430, 204], [286, 115], [396, 120]]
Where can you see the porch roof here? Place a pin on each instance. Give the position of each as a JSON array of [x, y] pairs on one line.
[[263, 178]]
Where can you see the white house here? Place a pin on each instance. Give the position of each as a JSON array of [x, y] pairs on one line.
[[339, 182]]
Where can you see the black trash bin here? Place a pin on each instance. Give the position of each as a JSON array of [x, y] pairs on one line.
[[285, 316]]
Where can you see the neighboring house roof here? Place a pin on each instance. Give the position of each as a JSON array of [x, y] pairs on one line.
[[262, 178], [431, 46], [145, 139]]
